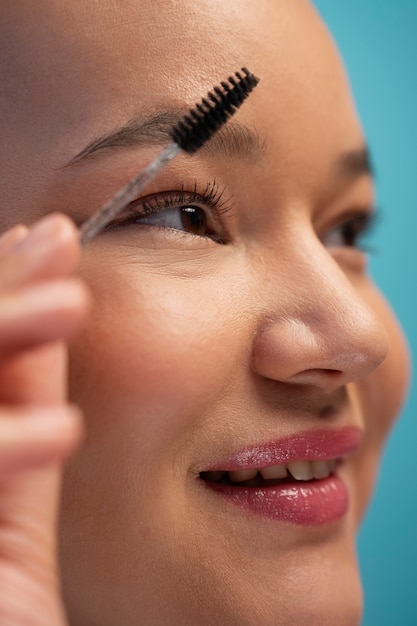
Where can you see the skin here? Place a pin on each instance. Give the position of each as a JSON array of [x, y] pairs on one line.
[[192, 349]]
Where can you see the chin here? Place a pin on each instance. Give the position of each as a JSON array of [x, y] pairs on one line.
[[318, 604], [315, 586]]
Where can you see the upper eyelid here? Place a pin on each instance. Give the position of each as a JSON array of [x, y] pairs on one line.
[[212, 197], [370, 214]]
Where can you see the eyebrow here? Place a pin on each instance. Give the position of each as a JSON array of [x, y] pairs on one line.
[[354, 164], [232, 140]]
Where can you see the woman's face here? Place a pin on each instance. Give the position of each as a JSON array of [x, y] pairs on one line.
[[234, 330]]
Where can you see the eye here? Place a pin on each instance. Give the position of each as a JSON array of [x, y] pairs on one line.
[[197, 214], [190, 219], [351, 232]]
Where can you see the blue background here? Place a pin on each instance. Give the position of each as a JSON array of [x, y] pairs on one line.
[[378, 42]]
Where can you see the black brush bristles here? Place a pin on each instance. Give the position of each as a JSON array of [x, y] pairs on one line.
[[212, 112]]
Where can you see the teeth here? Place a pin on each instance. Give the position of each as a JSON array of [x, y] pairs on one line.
[[275, 471], [321, 469], [332, 465], [239, 476], [301, 470]]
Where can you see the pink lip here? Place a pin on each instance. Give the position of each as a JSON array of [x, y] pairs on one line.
[[311, 445], [303, 502]]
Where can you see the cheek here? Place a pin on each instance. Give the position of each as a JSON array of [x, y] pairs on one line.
[[381, 396], [152, 356], [149, 363], [385, 390]]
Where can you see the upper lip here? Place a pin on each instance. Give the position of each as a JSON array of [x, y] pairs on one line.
[[323, 444]]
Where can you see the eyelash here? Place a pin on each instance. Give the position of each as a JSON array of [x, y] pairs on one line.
[[211, 197]]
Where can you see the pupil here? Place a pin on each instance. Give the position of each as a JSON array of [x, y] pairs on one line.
[[351, 233], [194, 220]]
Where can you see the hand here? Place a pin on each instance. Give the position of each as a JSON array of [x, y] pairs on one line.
[[41, 306]]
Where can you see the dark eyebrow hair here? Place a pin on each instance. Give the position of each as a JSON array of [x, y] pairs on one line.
[[233, 140], [354, 164]]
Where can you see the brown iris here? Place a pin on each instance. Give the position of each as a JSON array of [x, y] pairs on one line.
[[194, 220]]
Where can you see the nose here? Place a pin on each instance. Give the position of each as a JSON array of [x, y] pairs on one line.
[[319, 329]]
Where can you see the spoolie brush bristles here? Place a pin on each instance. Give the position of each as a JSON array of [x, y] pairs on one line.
[[213, 111]]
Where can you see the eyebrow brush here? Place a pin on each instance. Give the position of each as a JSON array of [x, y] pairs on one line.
[[189, 134]]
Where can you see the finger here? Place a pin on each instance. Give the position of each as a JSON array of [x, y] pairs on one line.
[[11, 238], [36, 436], [50, 249], [41, 313]]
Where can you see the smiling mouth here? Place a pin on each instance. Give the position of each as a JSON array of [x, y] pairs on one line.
[[300, 492], [282, 474], [298, 479]]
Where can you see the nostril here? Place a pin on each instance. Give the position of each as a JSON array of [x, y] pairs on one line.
[[317, 377], [327, 411]]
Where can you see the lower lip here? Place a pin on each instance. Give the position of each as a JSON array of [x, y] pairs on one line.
[[309, 503]]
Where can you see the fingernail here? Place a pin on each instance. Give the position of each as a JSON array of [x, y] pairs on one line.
[[12, 238]]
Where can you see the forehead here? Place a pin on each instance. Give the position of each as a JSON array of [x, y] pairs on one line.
[[158, 50], [71, 72]]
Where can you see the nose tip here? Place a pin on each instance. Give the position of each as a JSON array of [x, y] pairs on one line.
[[324, 343]]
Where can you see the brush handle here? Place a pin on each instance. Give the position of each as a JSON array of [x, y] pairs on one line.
[[129, 192]]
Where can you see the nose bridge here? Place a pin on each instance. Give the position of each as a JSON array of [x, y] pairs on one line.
[[321, 322]]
